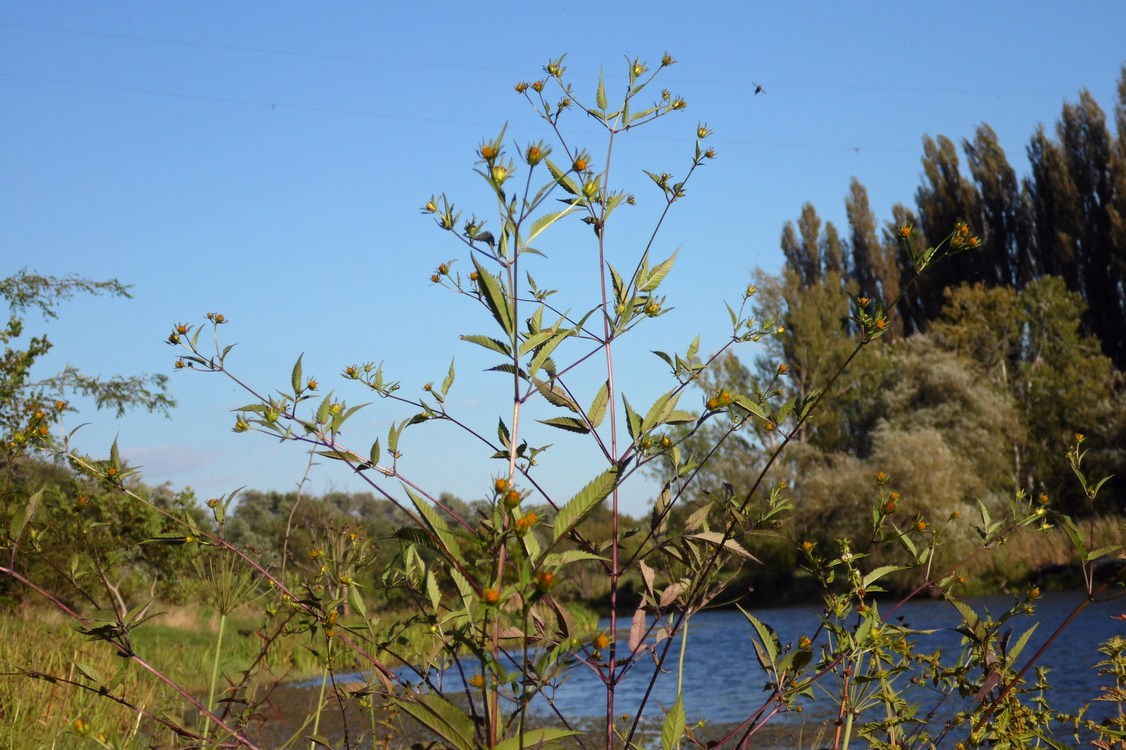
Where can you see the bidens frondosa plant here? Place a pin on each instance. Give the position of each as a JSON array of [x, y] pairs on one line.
[[488, 635]]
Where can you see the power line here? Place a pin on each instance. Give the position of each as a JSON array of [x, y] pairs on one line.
[[779, 85], [275, 106]]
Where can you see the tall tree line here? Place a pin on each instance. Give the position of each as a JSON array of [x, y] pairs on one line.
[[1066, 218], [998, 355]]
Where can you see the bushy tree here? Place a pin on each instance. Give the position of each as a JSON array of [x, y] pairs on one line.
[[32, 403]]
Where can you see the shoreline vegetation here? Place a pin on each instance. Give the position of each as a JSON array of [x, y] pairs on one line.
[[37, 641]]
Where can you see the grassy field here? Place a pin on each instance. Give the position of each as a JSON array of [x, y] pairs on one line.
[[45, 661]]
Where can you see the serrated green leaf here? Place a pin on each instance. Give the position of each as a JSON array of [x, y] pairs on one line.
[[555, 396], [347, 456], [448, 381], [542, 223], [747, 404], [658, 274], [618, 284], [570, 424], [531, 342], [880, 572], [672, 730], [660, 409], [561, 178], [356, 601], [545, 351], [633, 419], [597, 409], [583, 503], [678, 416], [488, 342], [463, 587], [374, 454], [88, 671], [322, 410], [432, 591], [968, 615], [494, 297], [536, 738], [435, 523], [1015, 649], [600, 93], [716, 538], [295, 377], [23, 514], [767, 640], [559, 559], [441, 717], [1095, 554]]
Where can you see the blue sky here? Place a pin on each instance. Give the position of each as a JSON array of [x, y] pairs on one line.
[[268, 161]]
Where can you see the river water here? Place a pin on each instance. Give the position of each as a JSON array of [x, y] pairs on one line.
[[723, 682]]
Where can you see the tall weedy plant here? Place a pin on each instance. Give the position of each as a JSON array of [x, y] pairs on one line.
[[487, 636]]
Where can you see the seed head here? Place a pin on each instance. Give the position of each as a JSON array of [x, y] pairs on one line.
[[545, 581]]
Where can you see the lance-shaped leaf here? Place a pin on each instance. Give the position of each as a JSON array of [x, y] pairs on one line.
[[633, 419], [545, 352], [435, 523], [494, 297], [448, 381], [584, 503], [879, 573], [597, 409], [637, 630], [559, 559], [536, 738], [295, 377], [570, 424], [561, 177], [22, 515], [542, 223], [672, 731], [660, 410], [657, 275], [441, 717], [489, 343], [767, 646], [536, 339], [716, 538], [555, 396]]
